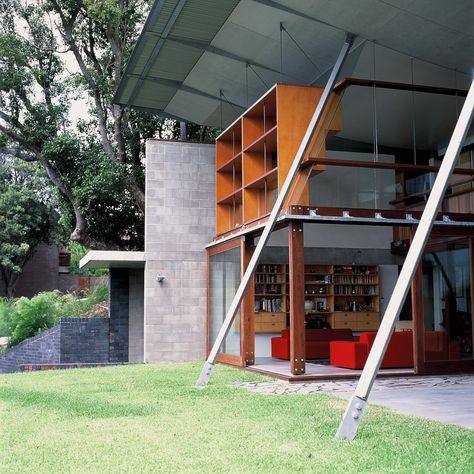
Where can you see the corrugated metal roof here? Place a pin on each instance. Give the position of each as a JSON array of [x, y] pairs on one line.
[[205, 47]]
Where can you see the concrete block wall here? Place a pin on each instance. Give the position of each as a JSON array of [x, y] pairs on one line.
[[179, 222], [135, 318]]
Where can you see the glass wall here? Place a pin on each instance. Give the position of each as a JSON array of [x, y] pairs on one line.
[[224, 279], [447, 300]]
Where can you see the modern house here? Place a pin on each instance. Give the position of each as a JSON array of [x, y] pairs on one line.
[[256, 68]]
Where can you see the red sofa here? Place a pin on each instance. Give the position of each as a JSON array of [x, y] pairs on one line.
[[317, 342], [352, 355]]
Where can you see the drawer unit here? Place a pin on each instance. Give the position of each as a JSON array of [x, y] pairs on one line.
[[368, 322], [343, 320], [270, 322]]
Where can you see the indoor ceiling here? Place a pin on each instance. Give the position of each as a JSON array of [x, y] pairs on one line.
[[206, 61]]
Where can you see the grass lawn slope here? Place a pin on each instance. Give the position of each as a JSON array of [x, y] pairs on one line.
[[150, 418]]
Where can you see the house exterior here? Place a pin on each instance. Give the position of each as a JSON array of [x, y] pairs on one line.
[[332, 262]]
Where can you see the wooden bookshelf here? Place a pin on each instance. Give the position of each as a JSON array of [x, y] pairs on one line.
[[271, 297], [336, 296], [254, 154]]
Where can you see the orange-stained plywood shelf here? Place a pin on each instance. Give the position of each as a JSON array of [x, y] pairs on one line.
[[254, 155]]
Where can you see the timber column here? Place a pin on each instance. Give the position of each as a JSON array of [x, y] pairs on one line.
[[297, 322]]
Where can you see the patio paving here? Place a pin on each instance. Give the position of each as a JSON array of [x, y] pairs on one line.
[[448, 399]]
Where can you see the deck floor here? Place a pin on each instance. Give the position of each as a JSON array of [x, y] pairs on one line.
[[314, 371]]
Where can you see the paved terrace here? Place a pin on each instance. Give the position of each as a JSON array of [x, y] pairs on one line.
[[448, 399]]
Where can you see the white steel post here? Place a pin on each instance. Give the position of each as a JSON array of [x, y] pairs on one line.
[[358, 403], [282, 195]]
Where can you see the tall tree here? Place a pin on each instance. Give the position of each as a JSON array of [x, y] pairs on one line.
[[27, 218]]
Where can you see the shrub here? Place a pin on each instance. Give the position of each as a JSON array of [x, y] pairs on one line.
[[25, 317], [34, 315]]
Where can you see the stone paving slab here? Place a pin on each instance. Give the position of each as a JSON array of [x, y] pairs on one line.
[[448, 399]]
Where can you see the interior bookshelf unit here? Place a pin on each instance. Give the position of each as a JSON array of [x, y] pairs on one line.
[[254, 154], [336, 296], [271, 300], [357, 297], [319, 295]]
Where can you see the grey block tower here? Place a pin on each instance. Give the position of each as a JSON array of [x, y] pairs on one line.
[[179, 222]]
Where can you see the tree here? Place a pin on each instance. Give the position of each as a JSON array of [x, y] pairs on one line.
[[98, 168], [26, 219]]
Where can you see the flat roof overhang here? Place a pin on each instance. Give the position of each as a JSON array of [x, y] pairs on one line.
[[112, 259], [206, 61]]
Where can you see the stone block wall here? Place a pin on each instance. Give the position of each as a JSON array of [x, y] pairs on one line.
[[179, 222]]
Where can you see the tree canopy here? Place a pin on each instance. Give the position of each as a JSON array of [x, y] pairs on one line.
[[97, 166]]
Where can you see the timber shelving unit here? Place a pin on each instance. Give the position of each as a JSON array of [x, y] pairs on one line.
[[356, 297], [340, 296], [271, 297], [254, 154]]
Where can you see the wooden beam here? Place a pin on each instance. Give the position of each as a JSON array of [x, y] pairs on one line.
[[248, 304], [297, 322], [400, 86], [379, 165]]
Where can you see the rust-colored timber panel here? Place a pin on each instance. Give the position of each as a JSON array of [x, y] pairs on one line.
[[230, 360], [418, 321], [297, 317], [295, 107], [247, 308]]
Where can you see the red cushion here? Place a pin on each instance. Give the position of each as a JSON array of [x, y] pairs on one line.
[[281, 348], [351, 355]]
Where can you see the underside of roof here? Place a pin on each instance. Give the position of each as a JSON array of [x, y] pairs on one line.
[[206, 61]]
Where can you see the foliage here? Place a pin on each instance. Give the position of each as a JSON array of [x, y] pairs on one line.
[[25, 317], [27, 219], [150, 418], [77, 252], [98, 166]]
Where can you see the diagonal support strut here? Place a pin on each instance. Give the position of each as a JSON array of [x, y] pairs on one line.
[[358, 403], [282, 195]]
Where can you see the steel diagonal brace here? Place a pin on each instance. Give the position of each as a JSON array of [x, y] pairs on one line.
[[358, 403], [282, 195]]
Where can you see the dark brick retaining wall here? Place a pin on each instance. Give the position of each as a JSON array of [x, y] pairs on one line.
[[73, 340], [40, 349], [84, 340]]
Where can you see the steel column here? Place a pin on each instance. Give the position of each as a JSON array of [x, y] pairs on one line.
[[358, 403], [282, 195]]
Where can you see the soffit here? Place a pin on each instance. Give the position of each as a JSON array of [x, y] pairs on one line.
[[202, 48]]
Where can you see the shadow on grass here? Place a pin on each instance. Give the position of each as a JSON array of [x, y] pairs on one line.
[[72, 405]]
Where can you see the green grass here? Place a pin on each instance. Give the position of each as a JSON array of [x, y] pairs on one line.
[[150, 418]]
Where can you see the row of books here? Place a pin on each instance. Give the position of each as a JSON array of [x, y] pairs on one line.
[[355, 280], [267, 278], [355, 290], [269, 305]]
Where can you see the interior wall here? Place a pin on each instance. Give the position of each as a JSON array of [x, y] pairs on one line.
[[338, 236]]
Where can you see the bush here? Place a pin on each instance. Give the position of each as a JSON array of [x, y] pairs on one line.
[[25, 317]]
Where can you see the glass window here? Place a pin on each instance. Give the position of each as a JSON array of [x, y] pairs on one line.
[[224, 281]]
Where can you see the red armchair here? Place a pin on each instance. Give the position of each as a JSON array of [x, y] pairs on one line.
[[317, 342], [353, 355]]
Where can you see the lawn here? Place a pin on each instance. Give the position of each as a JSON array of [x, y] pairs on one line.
[[150, 418]]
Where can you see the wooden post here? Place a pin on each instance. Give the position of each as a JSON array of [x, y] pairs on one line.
[[247, 308], [418, 317], [297, 322]]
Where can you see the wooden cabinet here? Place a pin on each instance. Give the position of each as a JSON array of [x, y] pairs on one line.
[[254, 154]]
